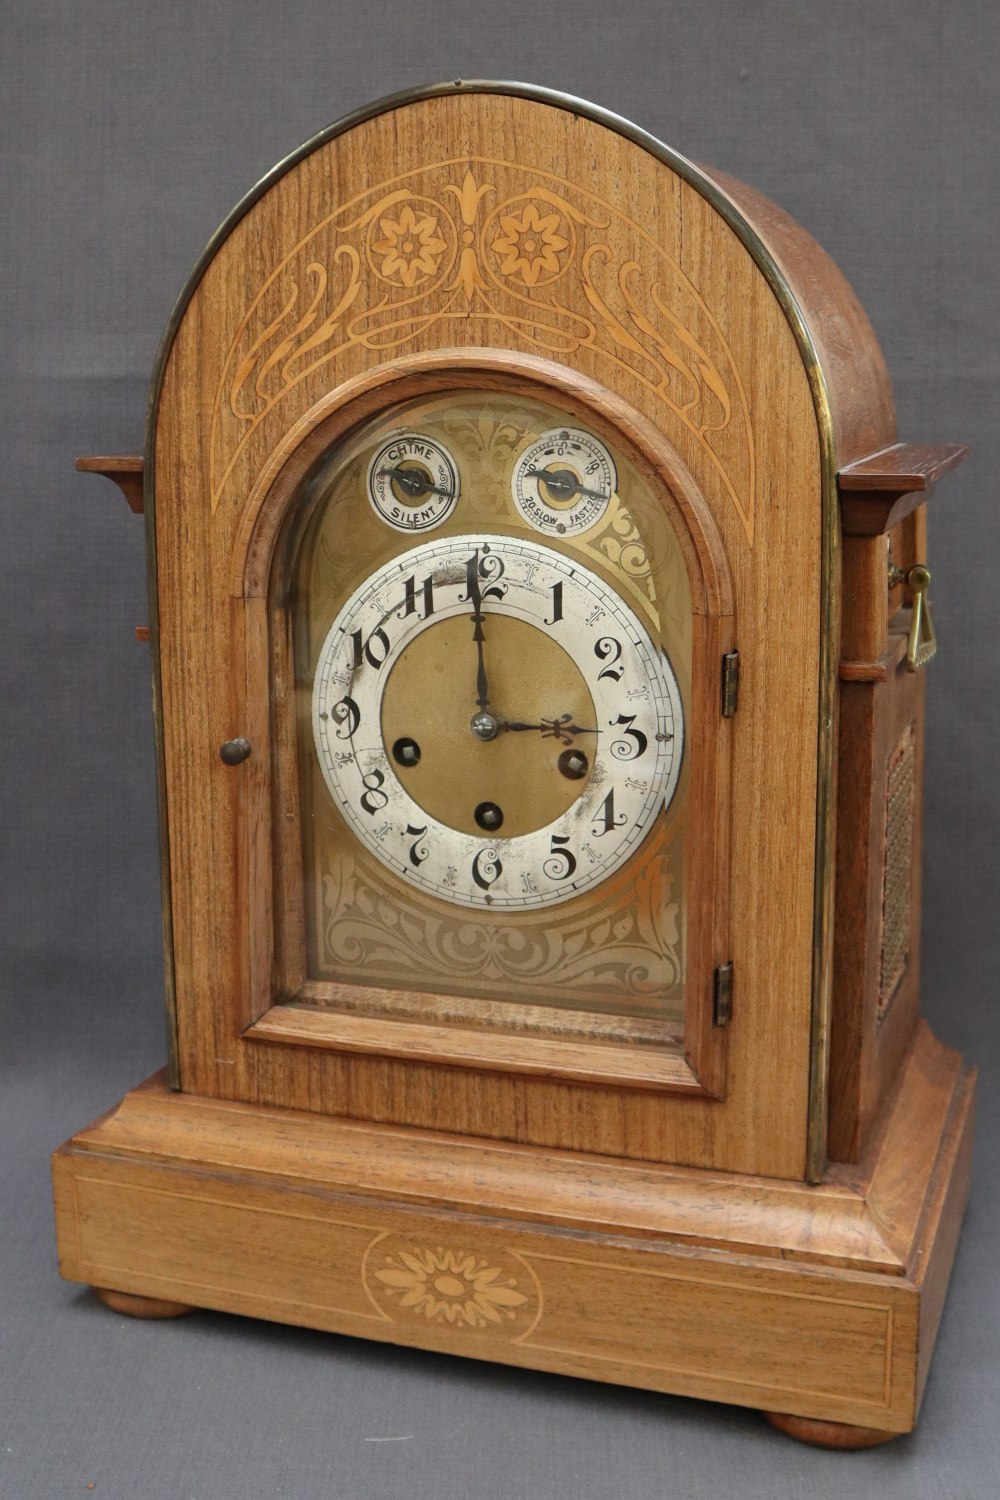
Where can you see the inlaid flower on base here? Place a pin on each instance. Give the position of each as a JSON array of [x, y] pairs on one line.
[[449, 1286]]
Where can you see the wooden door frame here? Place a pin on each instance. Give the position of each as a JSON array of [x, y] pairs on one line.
[[270, 849]]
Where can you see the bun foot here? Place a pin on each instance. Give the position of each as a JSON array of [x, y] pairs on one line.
[[829, 1434], [141, 1307]]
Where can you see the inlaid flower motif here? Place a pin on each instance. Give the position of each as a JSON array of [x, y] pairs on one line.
[[410, 248], [450, 1286], [529, 245]]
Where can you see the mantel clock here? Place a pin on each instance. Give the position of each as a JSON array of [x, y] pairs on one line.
[[538, 609]]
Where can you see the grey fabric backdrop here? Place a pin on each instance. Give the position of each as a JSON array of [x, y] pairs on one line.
[[129, 132]]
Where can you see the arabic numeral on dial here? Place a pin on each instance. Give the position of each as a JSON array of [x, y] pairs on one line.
[[347, 714], [418, 850], [609, 650], [487, 868], [634, 746], [373, 799], [563, 862], [374, 650], [606, 821], [490, 569], [410, 599]]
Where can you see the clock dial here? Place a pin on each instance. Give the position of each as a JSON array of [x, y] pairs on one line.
[[413, 482], [494, 723], [563, 482]]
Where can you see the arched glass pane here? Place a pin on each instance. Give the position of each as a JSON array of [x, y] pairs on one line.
[[492, 629]]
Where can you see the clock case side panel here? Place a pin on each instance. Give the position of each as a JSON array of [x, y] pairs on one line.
[[878, 893], [260, 565], [857, 417], [764, 1128], [872, 1018]]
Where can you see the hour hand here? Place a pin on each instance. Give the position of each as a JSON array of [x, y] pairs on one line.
[[414, 482], [560, 729]]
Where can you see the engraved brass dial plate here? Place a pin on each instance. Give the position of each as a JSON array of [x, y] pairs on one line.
[[546, 863]]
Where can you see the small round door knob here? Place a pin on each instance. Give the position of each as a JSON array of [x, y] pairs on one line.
[[235, 752]]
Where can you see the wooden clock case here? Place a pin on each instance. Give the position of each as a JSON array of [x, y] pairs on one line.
[[767, 1218]]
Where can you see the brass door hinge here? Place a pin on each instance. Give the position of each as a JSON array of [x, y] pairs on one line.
[[722, 994], [730, 683]]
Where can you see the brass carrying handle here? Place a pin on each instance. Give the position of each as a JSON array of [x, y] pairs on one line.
[[921, 643]]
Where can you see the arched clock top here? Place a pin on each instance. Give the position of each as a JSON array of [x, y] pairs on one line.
[[487, 248], [369, 268]]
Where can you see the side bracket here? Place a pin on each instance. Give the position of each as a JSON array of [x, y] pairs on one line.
[[877, 492], [124, 468]]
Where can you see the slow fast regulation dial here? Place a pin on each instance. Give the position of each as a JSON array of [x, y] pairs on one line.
[[563, 481], [494, 723]]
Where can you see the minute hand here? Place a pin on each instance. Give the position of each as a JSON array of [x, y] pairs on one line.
[[482, 687], [476, 600]]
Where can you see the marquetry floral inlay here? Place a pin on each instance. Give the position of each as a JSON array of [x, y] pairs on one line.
[[450, 1286], [410, 247], [479, 253], [530, 246]]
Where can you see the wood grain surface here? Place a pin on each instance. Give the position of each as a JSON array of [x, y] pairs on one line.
[[819, 1302]]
